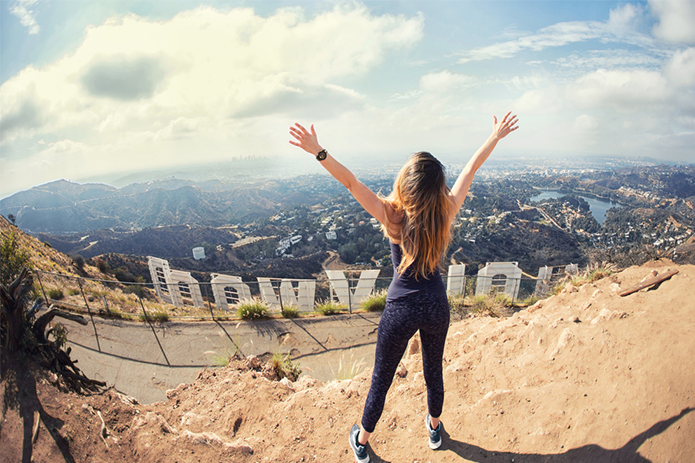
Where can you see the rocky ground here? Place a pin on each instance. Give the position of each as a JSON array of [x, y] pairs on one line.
[[586, 375]]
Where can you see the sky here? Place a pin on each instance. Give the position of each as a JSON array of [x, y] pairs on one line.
[[93, 89]]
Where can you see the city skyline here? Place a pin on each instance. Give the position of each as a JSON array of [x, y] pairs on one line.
[[93, 89]]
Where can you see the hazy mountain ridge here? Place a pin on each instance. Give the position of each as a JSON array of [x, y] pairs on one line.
[[166, 242], [64, 207]]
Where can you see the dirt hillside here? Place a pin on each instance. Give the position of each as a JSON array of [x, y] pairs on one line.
[[584, 376]]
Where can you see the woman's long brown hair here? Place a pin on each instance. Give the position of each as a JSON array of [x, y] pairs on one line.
[[421, 194]]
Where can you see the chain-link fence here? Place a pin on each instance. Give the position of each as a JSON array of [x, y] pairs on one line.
[[208, 300]]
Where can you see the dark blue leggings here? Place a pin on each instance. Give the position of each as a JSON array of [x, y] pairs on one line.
[[428, 313]]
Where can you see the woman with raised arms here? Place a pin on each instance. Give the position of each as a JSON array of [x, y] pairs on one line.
[[416, 218]]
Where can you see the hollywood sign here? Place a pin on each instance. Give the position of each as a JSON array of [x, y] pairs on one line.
[[179, 288]]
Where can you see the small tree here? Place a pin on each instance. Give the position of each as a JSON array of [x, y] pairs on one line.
[[12, 259], [78, 260], [21, 330]]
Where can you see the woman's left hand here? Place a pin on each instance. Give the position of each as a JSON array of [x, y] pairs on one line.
[[305, 140]]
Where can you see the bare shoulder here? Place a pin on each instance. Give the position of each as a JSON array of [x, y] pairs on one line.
[[394, 219], [393, 216]]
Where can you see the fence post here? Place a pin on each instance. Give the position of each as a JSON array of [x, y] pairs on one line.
[[45, 298], [208, 298], [349, 296], [147, 319], [79, 283], [279, 294], [106, 305]]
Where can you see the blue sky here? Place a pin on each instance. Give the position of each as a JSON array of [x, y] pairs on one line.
[[91, 89]]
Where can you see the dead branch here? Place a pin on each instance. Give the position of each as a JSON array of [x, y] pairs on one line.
[[40, 324]]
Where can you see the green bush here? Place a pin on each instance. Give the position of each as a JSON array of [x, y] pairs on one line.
[[530, 300], [591, 275], [284, 367], [124, 276], [12, 259], [490, 304], [290, 311], [252, 309], [103, 266], [222, 357], [329, 308], [59, 333], [136, 289], [56, 294], [375, 302], [456, 305], [599, 273], [157, 316], [78, 260], [347, 369], [481, 303], [73, 292], [117, 314]]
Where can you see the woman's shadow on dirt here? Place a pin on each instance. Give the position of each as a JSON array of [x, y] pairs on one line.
[[586, 453]]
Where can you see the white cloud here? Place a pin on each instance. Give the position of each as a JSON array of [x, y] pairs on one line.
[[181, 127], [445, 81], [27, 17], [556, 35], [676, 20], [408, 95], [48, 164], [680, 69], [630, 111], [545, 100], [586, 123], [608, 59], [620, 26], [134, 74], [622, 91], [624, 17], [144, 93]]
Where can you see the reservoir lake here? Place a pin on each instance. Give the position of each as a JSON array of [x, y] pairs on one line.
[[598, 207]]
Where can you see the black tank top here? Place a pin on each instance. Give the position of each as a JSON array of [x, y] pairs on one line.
[[405, 284]]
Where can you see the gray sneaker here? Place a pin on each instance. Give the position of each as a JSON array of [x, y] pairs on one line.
[[361, 455], [435, 434]]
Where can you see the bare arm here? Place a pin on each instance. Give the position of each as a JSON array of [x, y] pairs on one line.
[[463, 183], [308, 141]]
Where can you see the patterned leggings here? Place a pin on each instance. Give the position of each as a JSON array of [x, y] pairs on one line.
[[428, 313]]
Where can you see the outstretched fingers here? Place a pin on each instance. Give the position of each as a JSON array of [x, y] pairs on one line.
[[307, 140], [506, 125], [298, 132]]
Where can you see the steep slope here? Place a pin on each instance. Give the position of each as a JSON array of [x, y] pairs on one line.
[[42, 256], [586, 375]]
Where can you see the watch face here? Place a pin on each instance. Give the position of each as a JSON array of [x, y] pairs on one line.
[[321, 155]]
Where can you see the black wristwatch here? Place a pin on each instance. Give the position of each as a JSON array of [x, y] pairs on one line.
[[321, 155]]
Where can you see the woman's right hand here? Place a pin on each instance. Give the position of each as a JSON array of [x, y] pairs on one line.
[[505, 126], [305, 140]]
